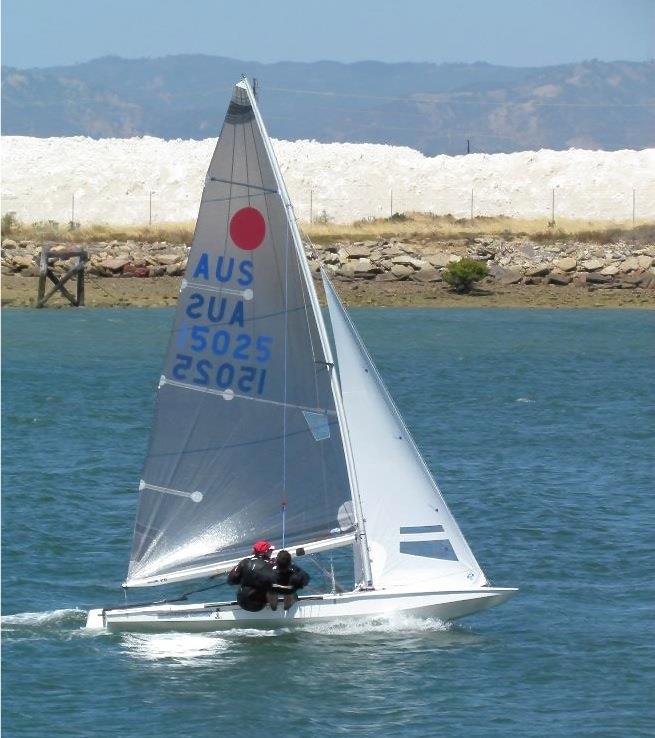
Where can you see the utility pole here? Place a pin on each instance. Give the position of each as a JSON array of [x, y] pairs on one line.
[[468, 145], [552, 210], [255, 88], [634, 210]]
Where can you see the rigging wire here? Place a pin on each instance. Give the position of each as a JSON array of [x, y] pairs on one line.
[[284, 521], [328, 575]]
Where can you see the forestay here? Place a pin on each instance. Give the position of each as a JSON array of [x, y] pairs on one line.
[[413, 538], [245, 443]]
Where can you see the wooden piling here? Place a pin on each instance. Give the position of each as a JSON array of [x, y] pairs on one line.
[[48, 257]]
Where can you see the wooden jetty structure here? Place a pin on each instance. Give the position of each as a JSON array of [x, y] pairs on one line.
[[46, 271]]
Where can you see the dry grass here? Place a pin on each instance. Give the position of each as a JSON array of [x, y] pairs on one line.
[[410, 226], [437, 227], [52, 231]]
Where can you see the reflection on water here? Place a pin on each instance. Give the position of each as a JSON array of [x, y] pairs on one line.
[[401, 632], [184, 649]]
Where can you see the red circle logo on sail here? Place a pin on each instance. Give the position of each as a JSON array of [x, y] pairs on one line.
[[247, 228]]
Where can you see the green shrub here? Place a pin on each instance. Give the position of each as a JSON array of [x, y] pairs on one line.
[[462, 275], [9, 223]]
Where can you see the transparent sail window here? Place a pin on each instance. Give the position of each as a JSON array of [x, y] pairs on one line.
[[318, 424]]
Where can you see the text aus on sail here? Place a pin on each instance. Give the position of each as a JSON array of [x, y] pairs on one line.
[[216, 347]]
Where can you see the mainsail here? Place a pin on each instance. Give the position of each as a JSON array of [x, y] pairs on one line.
[[413, 539], [246, 441]]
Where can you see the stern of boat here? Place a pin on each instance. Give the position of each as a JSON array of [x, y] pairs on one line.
[[95, 620]]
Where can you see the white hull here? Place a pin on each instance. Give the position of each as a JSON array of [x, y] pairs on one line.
[[203, 617]]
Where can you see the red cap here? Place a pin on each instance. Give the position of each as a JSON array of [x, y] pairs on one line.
[[262, 547]]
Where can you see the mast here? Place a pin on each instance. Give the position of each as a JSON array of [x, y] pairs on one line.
[[318, 316]]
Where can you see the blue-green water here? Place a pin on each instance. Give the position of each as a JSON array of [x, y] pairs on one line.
[[539, 426]]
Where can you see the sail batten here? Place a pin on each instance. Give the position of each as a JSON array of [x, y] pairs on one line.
[[222, 473], [230, 395]]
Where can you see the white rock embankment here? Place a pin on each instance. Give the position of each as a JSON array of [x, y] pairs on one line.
[[131, 181]]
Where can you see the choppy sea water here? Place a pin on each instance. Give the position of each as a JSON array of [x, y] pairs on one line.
[[540, 428]]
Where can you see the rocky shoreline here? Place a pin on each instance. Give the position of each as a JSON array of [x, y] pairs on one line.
[[397, 271]]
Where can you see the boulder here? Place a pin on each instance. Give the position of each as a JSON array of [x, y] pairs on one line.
[[114, 264], [358, 250], [610, 270], [364, 268], [538, 270], [426, 276], [645, 262], [439, 259], [392, 250], [630, 264], [347, 271], [566, 264], [156, 271], [558, 279], [592, 265], [20, 261], [175, 270], [166, 259], [409, 261], [639, 279], [385, 277], [8, 243], [597, 278], [331, 258], [498, 272], [400, 271], [510, 278]]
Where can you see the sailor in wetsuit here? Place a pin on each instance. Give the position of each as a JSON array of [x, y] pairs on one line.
[[256, 577], [289, 578]]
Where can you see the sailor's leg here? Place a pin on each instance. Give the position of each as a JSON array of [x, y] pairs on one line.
[[271, 598], [290, 599]]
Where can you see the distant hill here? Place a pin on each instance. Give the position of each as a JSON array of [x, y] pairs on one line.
[[430, 107]]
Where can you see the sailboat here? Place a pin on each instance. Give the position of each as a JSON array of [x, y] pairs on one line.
[[261, 431]]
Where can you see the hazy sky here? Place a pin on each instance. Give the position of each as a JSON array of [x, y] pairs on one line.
[[512, 32]]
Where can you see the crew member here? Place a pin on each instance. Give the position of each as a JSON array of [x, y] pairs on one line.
[[256, 577], [289, 578]]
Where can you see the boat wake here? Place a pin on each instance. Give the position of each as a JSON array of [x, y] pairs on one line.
[[393, 623], [50, 621]]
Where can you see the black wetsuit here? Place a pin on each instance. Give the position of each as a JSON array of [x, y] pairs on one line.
[[294, 577], [256, 576]]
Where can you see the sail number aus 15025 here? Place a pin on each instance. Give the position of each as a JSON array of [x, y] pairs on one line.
[[204, 372]]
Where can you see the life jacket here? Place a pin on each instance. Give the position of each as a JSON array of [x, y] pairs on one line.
[[294, 577], [257, 573], [251, 599]]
